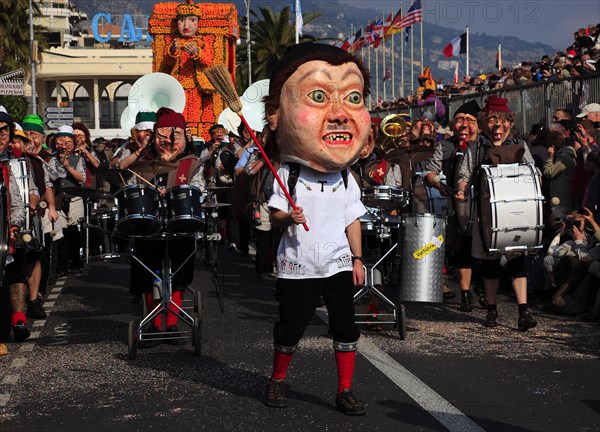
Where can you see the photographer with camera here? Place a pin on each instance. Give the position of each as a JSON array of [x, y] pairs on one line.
[[559, 170], [570, 263]]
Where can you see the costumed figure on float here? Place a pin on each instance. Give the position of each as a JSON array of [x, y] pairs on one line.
[[188, 38]]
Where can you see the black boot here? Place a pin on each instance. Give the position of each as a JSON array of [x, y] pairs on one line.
[[466, 301]]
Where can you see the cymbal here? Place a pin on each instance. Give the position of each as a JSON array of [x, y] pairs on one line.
[[410, 152], [115, 176], [88, 193], [153, 167], [210, 205]]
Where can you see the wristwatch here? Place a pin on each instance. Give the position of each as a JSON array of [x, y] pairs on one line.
[[357, 257]]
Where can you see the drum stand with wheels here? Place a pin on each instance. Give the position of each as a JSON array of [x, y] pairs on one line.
[[398, 315], [137, 329], [211, 238]]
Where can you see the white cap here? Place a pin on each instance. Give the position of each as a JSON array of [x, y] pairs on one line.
[[64, 130], [590, 108]]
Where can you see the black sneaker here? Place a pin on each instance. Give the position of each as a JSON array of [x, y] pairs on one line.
[[276, 394], [35, 309], [466, 302], [150, 337], [347, 403], [372, 325], [491, 320], [173, 332], [526, 321], [21, 332]]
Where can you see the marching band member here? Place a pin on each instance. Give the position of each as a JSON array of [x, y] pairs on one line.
[[318, 119], [142, 131], [445, 159], [168, 144], [15, 274], [496, 122], [71, 172], [33, 125]]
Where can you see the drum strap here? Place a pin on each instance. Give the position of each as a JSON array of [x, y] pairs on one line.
[[295, 173], [187, 165]]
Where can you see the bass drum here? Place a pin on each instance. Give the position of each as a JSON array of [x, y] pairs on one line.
[[510, 208], [4, 237]]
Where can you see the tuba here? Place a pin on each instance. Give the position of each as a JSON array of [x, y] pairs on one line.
[[394, 127], [149, 93]]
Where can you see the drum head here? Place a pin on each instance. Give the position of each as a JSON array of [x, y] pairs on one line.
[[386, 197]]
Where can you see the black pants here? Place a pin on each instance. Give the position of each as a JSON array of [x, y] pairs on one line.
[[264, 251], [298, 299]]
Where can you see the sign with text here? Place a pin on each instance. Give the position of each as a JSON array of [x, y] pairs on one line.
[[12, 88], [58, 116]]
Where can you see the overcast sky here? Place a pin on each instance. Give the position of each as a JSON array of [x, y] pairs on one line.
[[548, 21]]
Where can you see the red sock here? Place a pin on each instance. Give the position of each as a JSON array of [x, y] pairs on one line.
[[15, 317], [281, 362], [150, 305], [373, 309], [345, 369], [176, 298]]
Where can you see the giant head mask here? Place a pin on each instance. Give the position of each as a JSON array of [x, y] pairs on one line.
[[316, 107]]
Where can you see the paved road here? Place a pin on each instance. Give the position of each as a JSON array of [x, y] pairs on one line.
[[450, 373]]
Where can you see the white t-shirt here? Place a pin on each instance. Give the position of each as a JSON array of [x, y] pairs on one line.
[[329, 208]]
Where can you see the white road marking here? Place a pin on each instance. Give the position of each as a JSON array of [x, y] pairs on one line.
[[442, 410], [4, 398], [11, 379]]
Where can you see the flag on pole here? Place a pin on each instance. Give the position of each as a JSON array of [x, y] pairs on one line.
[[299, 20], [388, 75], [357, 41], [457, 46], [378, 28], [369, 36], [413, 16], [393, 29], [499, 58], [387, 24], [455, 80], [345, 45]]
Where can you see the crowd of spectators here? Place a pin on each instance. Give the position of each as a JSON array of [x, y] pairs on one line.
[[579, 58]]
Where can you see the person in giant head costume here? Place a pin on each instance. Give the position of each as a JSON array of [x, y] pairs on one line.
[[318, 120]]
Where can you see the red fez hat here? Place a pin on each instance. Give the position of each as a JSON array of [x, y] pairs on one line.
[[166, 117], [497, 104]]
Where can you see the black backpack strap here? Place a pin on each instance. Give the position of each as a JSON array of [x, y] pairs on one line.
[[345, 178], [293, 177]]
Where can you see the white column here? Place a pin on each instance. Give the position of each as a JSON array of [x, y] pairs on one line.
[[96, 104]]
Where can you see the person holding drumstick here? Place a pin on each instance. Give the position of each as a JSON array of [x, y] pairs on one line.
[[167, 144], [318, 119], [445, 159], [496, 122]]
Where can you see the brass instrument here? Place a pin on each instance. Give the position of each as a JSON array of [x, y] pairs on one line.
[[394, 127]]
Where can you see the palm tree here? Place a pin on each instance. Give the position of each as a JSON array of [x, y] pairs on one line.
[[14, 46], [271, 33]]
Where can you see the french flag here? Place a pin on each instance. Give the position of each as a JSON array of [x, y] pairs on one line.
[[456, 46]]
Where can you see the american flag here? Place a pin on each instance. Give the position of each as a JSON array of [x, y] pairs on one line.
[[413, 16]]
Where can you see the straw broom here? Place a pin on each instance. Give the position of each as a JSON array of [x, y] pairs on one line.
[[219, 77]]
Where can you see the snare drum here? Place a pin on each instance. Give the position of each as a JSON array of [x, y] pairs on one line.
[[510, 207], [385, 197], [102, 245], [184, 209], [138, 211]]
